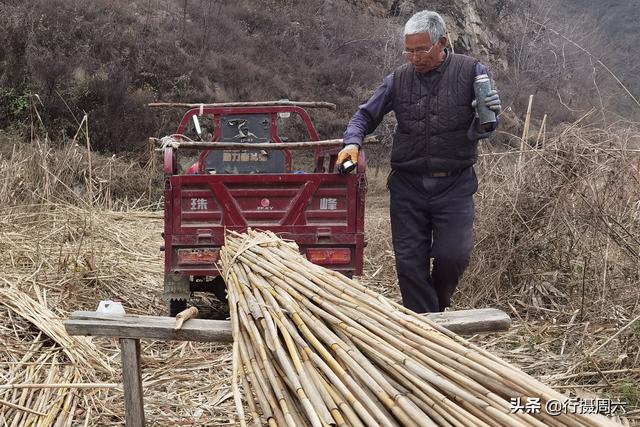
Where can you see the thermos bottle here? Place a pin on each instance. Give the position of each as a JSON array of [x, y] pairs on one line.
[[487, 117]]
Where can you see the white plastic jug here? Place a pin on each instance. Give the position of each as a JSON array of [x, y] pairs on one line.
[[111, 307]]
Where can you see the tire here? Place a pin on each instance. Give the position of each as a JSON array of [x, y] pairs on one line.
[[176, 306]]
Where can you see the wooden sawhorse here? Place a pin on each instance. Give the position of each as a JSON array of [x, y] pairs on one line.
[[130, 329]]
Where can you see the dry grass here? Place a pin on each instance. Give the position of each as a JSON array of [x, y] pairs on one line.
[[557, 247], [40, 172], [67, 258], [61, 250]]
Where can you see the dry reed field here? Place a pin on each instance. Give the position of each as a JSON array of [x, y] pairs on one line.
[[557, 248]]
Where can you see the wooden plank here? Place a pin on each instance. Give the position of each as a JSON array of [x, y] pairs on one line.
[[473, 321], [154, 328], [150, 321], [132, 380], [162, 328], [127, 318]]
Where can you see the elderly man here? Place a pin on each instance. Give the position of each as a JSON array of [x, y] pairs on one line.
[[432, 181]]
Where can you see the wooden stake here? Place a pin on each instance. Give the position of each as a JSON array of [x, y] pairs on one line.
[[134, 408], [542, 131], [525, 131], [90, 182]]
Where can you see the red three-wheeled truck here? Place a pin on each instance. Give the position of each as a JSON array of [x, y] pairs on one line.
[[233, 186]]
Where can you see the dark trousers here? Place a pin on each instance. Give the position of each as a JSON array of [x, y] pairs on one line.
[[431, 220]]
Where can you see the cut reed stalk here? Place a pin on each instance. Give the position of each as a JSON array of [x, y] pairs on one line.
[[321, 349]]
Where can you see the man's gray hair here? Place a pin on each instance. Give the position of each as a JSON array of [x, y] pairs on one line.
[[426, 22]]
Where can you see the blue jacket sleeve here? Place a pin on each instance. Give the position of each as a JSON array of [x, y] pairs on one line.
[[370, 114]]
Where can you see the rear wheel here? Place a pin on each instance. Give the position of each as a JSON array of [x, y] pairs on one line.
[[176, 306]]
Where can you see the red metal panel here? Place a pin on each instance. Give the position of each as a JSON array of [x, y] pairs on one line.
[[259, 192], [295, 215], [231, 213], [241, 198]]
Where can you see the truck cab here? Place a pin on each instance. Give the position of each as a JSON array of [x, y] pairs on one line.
[[229, 188]]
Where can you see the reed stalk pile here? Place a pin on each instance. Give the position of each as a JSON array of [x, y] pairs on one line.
[[313, 347], [55, 259], [38, 387]]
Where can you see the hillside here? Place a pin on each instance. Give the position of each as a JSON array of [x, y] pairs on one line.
[[113, 57]]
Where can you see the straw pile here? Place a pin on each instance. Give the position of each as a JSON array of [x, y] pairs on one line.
[[55, 259], [78, 349], [312, 347], [44, 392]]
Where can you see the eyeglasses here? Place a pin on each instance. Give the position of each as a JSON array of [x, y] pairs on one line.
[[417, 53]]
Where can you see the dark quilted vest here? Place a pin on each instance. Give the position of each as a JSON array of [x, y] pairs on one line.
[[433, 117]]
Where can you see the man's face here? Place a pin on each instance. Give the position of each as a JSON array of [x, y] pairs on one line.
[[422, 53]]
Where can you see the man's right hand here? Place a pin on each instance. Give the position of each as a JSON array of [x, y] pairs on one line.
[[348, 152]]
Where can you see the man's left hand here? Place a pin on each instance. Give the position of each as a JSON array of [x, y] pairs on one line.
[[492, 101]]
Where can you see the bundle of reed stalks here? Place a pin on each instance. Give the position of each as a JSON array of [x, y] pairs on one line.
[[39, 387], [79, 350], [45, 394], [313, 347]]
